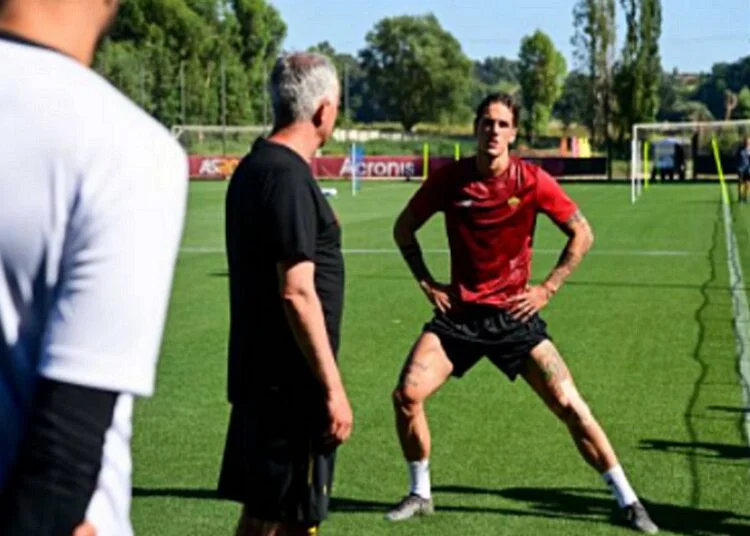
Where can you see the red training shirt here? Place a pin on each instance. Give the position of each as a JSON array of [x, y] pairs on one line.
[[490, 224]]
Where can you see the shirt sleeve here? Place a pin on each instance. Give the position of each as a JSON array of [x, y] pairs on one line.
[[553, 200], [292, 218], [106, 322], [431, 197]]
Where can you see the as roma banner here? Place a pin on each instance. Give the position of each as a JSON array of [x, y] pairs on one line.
[[212, 167]]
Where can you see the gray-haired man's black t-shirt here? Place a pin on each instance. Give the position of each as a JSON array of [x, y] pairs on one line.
[[276, 212]]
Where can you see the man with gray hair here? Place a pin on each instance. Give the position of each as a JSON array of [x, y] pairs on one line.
[[286, 286]]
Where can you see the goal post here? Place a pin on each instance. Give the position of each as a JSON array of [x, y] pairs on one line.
[[683, 151]]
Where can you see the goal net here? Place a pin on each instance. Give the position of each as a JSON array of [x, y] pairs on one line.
[[663, 152]]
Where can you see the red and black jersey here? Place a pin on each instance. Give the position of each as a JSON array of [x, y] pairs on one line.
[[490, 223]]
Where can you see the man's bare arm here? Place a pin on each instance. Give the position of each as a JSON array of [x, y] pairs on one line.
[[404, 234], [580, 240], [305, 314]]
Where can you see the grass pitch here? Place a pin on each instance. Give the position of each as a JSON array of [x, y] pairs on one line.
[[645, 325]]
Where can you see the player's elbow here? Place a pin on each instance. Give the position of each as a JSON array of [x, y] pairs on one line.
[[298, 302], [585, 236], [297, 283], [589, 238], [401, 231]]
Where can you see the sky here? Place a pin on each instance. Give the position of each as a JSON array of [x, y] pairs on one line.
[[695, 33]]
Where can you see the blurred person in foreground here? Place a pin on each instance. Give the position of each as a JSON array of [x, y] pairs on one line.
[[93, 195]]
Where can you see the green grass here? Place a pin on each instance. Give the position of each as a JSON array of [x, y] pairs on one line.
[[648, 338]]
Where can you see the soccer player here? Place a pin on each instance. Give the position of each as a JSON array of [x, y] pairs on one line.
[[92, 201], [286, 276], [743, 171], [490, 203]]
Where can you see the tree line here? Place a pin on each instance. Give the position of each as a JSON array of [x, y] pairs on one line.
[[207, 62]]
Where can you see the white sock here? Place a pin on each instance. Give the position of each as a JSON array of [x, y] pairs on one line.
[[617, 481], [419, 473]]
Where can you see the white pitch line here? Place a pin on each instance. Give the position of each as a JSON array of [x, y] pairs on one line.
[[389, 251], [740, 312]]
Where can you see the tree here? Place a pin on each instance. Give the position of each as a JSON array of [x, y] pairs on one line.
[[195, 61], [742, 111], [261, 33], [638, 75], [492, 75], [541, 70], [416, 70], [593, 41], [571, 106], [724, 76], [496, 70]]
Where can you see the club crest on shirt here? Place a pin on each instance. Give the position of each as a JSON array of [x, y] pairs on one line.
[[513, 201]]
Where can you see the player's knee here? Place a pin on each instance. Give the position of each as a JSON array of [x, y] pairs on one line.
[[572, 410], [406, 398]]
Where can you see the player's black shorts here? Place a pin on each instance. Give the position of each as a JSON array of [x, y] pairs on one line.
[[481, 331], [275, 462], [745, 177]]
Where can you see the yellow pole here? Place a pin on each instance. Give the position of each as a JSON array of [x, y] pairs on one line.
[[645, 164], [426, 165], [717, 158], [457, 152]]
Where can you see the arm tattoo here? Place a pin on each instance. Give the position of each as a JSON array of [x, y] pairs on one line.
[[578, 216], [412, 254], [577, 246]]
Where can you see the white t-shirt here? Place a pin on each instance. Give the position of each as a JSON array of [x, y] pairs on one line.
[[92, 204]]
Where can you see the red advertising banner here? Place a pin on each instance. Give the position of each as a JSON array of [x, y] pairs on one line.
[[212, 167], [388, 167], [374, 167]]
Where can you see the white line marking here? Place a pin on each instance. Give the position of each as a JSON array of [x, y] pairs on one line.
[[387, 251], [741, 312]]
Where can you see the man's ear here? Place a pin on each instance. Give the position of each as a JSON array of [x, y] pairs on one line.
[[320, 113], [317, 118]]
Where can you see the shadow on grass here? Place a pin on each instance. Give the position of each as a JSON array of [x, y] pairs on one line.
[[729, 409], [699, 449], [594, 505], [585, 505], [176, 493]]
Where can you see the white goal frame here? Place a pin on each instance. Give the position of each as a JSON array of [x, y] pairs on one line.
[[638, 173]]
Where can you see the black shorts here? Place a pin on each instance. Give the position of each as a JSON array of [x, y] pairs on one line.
[[275, 463], [745, 177], [475, 332]]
